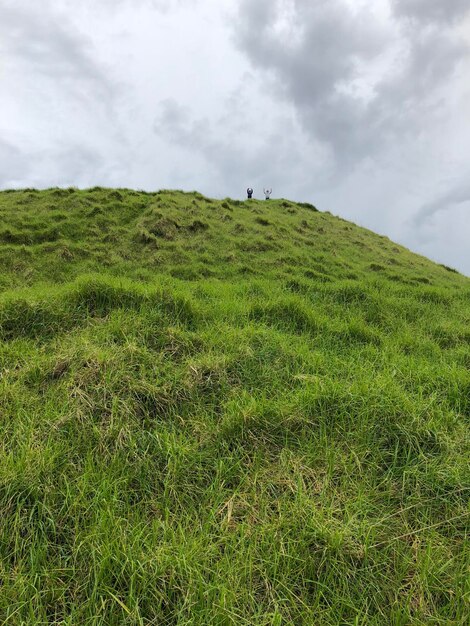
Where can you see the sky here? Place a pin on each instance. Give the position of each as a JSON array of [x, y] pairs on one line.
[[358, 107]]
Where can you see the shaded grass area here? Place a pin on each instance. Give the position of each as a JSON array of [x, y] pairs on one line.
[[234, 423]]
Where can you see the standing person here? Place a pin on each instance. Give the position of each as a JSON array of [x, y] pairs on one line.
[[249, 193], [267, 193]]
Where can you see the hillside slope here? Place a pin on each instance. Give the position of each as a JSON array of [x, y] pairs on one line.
[[225, 412]]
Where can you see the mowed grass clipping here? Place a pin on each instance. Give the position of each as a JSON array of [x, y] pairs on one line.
[[225, 412]]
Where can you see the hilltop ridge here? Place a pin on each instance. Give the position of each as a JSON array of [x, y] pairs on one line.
[[227, 412], [188, 236]]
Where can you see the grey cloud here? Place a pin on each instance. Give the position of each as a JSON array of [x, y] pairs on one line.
[[408, 102], [199, 136], [48, 60], [456, 196], [431, 10], [326, 50], [47, 46]]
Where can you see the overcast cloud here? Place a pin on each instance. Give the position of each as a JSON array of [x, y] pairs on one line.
[[358, 107]]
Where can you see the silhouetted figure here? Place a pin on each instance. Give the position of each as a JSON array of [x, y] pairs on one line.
[[249, 193], [267, 193]]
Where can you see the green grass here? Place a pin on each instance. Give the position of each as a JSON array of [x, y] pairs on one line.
[[224, 412]]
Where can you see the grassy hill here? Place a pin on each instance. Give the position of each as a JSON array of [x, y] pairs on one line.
[[225, 412]]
